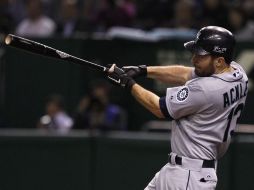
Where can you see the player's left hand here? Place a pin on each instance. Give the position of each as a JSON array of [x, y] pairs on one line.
[[135, 71], [118, 77]]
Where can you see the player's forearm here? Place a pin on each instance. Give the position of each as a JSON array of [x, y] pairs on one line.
[[148, 99], [174, 75]]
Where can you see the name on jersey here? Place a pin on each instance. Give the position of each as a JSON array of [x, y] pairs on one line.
[[235, 94]]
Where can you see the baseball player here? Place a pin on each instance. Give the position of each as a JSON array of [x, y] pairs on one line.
[[204, 108]]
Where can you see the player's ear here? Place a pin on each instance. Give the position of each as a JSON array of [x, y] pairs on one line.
[[219, 61]]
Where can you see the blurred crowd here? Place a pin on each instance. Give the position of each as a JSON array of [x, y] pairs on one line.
[[69, 18], [94, 111]]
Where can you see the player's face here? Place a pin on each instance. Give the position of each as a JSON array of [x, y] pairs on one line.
[[204, 65]]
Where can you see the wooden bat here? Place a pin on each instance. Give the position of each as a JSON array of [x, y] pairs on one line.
[[41, 49]]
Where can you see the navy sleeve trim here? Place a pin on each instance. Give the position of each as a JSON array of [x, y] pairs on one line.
[[164, 109]]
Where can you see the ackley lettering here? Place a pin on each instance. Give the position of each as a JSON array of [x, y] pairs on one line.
[[235, 94]]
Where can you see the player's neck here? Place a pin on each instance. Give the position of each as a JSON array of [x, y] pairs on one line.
[[225, 69]]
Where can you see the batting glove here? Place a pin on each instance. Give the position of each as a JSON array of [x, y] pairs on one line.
[[135, 71], [120, 78]]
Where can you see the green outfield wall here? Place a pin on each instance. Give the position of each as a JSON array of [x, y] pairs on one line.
[[84, 160]]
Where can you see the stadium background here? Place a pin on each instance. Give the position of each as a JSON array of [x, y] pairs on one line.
[[85, 159]]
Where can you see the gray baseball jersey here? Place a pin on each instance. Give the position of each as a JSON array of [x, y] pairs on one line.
[[205, 112]]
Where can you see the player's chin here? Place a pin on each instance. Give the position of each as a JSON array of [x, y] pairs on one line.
[[199, 73]]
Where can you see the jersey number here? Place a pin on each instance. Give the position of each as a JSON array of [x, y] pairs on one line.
[[232, 113]]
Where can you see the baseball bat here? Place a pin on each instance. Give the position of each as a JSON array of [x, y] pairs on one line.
[[41, 49]]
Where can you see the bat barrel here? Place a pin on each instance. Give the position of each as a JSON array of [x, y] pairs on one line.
[[29, 45], [41, 49]]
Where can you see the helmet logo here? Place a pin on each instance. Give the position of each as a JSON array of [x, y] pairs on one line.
[[217, 49]]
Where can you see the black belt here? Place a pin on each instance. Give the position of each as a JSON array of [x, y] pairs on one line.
[[206, 163]]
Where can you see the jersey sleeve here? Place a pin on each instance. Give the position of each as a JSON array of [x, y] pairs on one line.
[[183, 101]]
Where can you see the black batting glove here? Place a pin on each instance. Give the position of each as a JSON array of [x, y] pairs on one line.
[[120, 78], [135, 71]]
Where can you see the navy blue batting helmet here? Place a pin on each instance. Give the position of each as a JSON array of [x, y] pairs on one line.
[[213, 40]]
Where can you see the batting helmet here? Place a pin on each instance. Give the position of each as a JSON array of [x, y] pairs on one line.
[[213, 40]]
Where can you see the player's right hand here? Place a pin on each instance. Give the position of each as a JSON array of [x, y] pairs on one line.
[[118, 77], [135, 71]]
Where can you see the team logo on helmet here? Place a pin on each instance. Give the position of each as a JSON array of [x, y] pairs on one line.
[[217, 49], [182, 95]]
